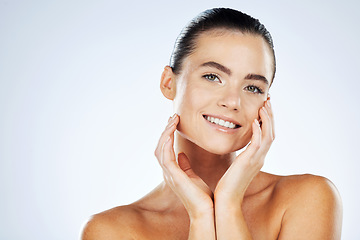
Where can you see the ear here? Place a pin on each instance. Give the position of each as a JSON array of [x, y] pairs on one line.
[[167, 83]]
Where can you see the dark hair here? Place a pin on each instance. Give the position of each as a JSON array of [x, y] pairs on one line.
[[216, 18]]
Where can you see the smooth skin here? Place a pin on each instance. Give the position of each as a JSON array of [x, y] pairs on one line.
[[208, 191]]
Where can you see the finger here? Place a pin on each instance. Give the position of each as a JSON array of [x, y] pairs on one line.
[[184, 164], [175, 121], [255, 142], [167, 159], [172, 120], [254, 146], [271, 115], [172, 172], [169, 130], [266, 125]]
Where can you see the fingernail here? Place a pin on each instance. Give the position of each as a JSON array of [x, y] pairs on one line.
[[257, 122], [172, 123], [264, 109], [268, 103], [171, 118]]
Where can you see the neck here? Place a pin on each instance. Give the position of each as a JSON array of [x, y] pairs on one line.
[[208, 166]]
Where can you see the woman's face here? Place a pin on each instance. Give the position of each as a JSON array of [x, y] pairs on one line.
[[221, 88]]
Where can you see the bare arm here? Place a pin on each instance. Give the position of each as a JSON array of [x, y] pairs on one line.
[[230, 191], [190, 188], [231, 224], [202, 228], [315, 209]]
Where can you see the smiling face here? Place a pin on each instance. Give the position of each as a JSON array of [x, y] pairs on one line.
[[220, 89]]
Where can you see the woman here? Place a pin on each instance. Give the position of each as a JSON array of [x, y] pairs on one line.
[[219, 77]]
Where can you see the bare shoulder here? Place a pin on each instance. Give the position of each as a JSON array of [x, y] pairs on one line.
[[313, 208], [307, 185], [116, 223], [146, 218]]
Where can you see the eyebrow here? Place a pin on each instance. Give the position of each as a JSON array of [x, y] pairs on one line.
[[218, 66], [252, 76], [226, 70]]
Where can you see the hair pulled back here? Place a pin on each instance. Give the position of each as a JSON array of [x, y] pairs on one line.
[[216, 18]]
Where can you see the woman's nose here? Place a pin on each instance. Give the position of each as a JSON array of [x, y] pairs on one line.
[[230, 99]]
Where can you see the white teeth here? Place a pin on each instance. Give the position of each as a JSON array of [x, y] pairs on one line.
[[221, 122]]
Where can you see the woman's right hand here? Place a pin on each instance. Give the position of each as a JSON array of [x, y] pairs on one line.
[[178, 175]]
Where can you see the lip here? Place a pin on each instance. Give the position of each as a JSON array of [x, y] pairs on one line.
[[221, 128]]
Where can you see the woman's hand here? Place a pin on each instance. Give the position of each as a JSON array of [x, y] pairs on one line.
[[231, 188], [189, 187]]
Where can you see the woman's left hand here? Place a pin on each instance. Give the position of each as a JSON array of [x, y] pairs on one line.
[[232, 186]]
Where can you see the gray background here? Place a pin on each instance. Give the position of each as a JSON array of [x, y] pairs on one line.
[[81, 110]]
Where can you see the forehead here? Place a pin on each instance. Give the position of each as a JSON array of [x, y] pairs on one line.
[[241, 52]]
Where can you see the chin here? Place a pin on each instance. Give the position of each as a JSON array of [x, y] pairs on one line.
[[220, 146], [222, 150]]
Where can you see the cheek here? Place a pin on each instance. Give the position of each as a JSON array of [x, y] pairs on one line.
[[184, 105], [251, 109], [191, 102], [190, 98]]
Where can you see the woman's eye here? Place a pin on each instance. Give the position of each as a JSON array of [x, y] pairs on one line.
[[254, 89], [212, 77]]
